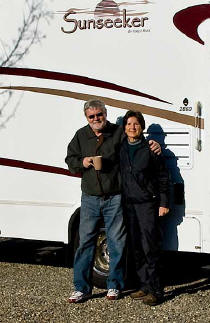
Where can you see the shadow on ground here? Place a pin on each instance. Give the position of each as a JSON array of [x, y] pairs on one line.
[[32, 252], [182, 267], [187, 272]]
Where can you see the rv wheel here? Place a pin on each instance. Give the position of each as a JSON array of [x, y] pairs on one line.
[[101, 262]]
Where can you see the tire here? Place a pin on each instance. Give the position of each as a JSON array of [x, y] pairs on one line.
[[73, 238], [101, 261]]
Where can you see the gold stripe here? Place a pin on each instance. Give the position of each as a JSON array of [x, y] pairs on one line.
[[156, 112]]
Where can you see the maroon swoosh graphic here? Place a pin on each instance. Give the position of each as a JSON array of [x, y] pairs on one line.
[[74, 79], [189, 19], [36, 167]]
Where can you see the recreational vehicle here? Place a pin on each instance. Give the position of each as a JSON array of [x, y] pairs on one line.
[[148, 56]]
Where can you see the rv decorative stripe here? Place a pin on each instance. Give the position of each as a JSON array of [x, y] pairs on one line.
[[160, 113], [36, 167], [188, 20], [74, 79]]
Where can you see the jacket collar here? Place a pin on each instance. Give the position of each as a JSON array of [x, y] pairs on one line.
[[143, 142]]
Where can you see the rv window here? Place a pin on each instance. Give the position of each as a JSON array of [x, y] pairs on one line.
[[176, 145]]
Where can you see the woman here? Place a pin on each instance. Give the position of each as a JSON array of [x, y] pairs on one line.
[[145, 195]]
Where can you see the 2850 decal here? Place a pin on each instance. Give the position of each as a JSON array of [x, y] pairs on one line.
[[185, 109]]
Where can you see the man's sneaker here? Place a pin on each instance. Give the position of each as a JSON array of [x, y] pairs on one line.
[[139, 294], [78, 296], [113, 294]]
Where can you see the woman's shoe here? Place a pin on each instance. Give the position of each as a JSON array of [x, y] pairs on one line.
[[151, 300], [139, 294]]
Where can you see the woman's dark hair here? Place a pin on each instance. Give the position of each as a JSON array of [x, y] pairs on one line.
[[137, 115]]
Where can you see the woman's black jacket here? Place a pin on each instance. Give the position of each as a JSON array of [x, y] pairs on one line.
[[146, 177]]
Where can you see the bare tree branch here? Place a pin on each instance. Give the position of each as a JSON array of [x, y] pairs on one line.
[[12, 114], [29, 34]]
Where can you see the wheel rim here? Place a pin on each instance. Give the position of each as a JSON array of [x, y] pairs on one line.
[[101, 263]]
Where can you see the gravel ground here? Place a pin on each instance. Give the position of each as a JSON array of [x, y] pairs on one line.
[[39, 293]]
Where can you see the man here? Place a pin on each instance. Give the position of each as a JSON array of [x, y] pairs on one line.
[[100, 197]]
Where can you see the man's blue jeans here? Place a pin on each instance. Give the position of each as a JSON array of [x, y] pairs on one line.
[[91, 209]]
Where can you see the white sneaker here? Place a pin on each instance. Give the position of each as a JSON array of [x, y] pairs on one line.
[[78, 296], [113, 294]]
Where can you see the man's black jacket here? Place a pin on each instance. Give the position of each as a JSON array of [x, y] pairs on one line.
[[83, 145]]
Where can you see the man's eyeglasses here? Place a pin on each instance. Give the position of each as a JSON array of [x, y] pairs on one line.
[[92, 116]]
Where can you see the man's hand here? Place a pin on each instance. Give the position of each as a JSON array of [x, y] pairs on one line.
[[155, 147], [87, 162], [163, 211]]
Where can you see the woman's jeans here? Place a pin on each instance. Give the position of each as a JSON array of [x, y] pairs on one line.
[[92, 209]]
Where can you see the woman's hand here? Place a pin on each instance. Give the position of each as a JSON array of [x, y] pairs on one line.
[[163, 211], [155, 147]]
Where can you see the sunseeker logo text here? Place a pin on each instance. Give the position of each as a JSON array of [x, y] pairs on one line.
[[85, 24]]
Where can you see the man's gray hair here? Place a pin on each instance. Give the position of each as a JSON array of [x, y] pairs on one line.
[[95, 103]]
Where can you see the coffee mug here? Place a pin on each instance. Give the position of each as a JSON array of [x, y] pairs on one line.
[[97, 162]]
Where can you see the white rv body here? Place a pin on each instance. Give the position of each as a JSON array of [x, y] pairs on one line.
[[157, 59]]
